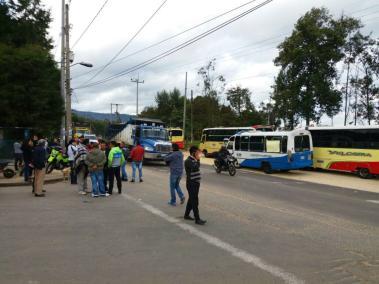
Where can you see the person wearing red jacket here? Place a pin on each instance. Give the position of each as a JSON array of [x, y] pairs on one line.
[[137, 157]]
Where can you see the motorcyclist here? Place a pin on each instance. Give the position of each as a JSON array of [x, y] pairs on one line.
[[222, 156]]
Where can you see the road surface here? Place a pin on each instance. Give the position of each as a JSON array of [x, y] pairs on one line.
[[260, 229]]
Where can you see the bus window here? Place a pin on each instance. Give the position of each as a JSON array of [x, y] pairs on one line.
[[273, 144], [284, 144], [302, 143], [237, 143], [244, 143], [230, 143], [257, 144]]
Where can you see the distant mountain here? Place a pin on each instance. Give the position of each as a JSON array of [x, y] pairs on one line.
[[101, 116]]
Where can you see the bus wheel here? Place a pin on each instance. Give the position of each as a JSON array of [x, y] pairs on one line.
[[364, 173], [266, 167]]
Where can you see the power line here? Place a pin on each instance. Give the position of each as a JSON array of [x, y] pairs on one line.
[[178, 47], [126, 45], [90, 23], [176, 35]]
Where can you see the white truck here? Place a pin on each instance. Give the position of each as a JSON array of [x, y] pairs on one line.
[[151, 133]]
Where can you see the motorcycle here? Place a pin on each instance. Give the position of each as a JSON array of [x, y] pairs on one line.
[[57, 160], [228, 166], [6, 170]]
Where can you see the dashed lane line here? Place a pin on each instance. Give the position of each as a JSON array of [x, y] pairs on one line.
[[245, 256], [373, 201]]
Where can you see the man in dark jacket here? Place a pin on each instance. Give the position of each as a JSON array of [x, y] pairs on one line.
[[175, 161], [192, 167], [27, 152], [39, 162]]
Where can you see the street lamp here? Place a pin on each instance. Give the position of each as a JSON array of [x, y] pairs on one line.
[[86, 64]]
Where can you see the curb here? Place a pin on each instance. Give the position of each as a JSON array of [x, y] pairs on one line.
[[15, 184]]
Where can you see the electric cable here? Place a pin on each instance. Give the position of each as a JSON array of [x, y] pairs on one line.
[[178, 47], [129, 41], [90, 23]]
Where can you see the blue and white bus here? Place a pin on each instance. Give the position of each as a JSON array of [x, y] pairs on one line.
[[272, 151]]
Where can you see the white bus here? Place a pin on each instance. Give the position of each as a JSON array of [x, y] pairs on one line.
[[272, 151], [213, 138]]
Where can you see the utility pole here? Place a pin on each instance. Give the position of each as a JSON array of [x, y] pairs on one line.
[[63, 93], [116, 112], [184, 109], [191, 116], [68, 79], [137, 81]]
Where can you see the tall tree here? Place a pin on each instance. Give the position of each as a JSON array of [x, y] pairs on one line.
[[29, 77], [308, 61], [365, 84], [239, 99]]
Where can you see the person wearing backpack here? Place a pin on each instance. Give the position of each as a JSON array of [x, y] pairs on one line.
[[115, 160], [72, 149]]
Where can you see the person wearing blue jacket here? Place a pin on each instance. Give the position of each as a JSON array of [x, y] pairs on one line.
[[175, 161]]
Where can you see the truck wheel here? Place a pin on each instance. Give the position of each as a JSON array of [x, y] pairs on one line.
[[364, 173], [8, 173], [266, 167]]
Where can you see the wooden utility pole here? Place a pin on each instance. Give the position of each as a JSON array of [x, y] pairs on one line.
[[68, 79]]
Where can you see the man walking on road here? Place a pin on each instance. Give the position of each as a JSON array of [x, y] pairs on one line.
[[125, 152], [39, 162], [192, 166], [115, 160], [175, 161], [95, 161], [137, 158]]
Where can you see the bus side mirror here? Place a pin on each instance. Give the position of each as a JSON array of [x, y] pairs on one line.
[[226, 140]]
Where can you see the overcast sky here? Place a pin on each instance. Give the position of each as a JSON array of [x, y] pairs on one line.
[[244, 50]]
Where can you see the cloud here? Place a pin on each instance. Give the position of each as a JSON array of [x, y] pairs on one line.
[[244, 50]]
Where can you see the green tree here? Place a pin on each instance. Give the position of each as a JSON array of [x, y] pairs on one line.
[[239, 99], [308, 61], [29, 78], [365, 84]]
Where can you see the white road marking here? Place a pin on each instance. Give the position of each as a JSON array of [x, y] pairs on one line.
[[373, 201], [245, 256]]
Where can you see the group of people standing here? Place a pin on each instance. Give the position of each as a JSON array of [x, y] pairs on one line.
[[103, 162]]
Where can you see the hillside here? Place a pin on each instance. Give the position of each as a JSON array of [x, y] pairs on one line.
[[101, 116]]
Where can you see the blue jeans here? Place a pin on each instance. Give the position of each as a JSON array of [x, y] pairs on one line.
[[124, 174], [175, 186], [27, 170], [97, 179], [136, 165]]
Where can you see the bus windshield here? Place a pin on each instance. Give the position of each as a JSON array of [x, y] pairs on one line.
[[176, 132], [155, 133]]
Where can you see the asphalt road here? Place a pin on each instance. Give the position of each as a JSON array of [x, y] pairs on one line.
[[260, 229]]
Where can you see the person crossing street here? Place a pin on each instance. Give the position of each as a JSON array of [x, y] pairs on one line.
[[192, 167]]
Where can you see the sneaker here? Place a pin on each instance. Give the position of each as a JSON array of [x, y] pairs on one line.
[[182, 200], [107, 194], [132, 180], [172, 204], [82, 192], [39, 195], [140, 180], [95, 195]]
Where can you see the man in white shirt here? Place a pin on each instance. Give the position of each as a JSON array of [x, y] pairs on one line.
[[72, 149]]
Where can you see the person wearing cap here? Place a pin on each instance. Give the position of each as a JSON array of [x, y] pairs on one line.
[[192, 167], [115, 160], [95, 161], [39, 162]]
